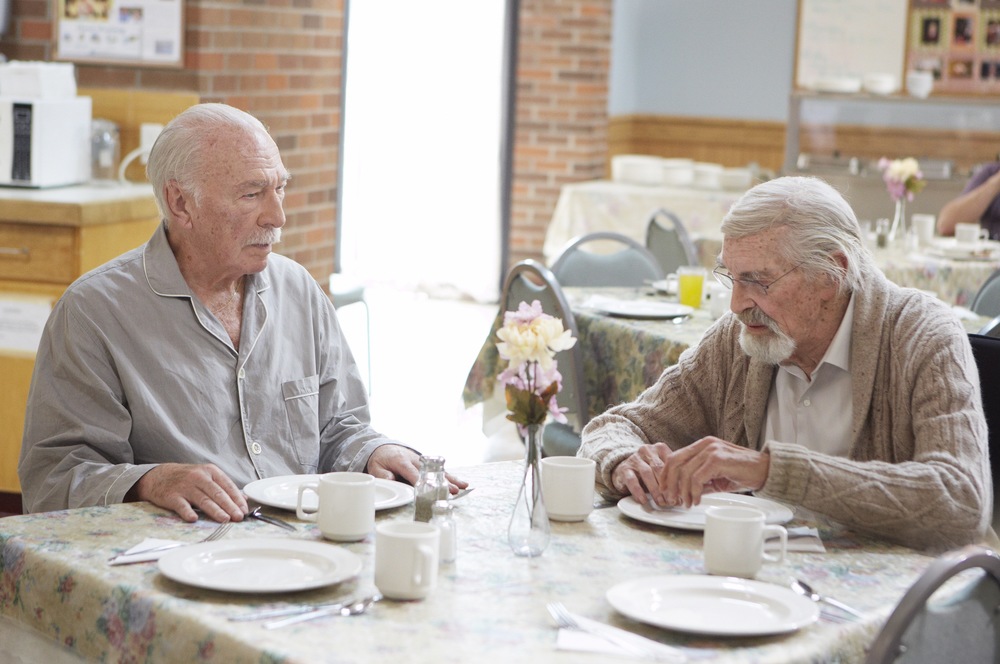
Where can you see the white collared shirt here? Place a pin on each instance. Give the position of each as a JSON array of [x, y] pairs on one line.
[[816, 414]]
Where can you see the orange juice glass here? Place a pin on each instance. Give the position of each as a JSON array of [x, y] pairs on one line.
[[690, 285]]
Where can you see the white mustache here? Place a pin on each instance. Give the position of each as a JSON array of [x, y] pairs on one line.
[[269, 236], [757, 317]]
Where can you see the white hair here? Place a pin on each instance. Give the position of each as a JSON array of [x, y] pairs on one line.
[[179, 152], [820, 223]]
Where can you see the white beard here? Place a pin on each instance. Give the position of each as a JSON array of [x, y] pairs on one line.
[[770, 350]]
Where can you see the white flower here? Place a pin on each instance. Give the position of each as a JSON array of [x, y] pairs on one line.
[[535, 340]]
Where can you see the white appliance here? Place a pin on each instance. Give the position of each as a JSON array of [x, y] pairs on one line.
[[44, 142]]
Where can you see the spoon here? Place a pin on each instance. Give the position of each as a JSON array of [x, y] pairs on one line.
[[346, 609], [803, 588]]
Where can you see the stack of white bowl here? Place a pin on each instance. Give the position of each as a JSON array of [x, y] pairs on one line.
[[706, 175], [677, 172], [637, 169]]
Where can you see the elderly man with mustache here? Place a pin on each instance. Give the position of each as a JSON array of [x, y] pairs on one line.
[[199, 362], [827, 387]]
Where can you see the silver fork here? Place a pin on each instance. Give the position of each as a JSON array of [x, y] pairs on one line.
[[565, 620], [216, 534]]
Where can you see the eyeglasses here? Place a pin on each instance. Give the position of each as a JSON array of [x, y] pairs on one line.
[[728, 280]]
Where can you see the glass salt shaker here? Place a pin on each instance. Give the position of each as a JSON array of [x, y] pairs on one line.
[[443, 517], [882, 233], [431, 487]]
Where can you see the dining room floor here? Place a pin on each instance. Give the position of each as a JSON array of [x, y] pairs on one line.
[[422, 347]]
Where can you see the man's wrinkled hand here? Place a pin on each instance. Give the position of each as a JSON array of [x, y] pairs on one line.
[[183, 488], [392, 462]]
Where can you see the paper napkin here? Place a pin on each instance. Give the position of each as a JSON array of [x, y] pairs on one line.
[[622, 643], [801, 539], [137, 554]]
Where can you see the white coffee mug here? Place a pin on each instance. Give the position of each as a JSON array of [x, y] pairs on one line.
[[346, 511], [719, 298], [924, 224], [970, 233], [734, 541], [568, 487], [406, 558]]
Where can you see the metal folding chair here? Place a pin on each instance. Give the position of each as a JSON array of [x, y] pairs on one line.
[[631, 264]]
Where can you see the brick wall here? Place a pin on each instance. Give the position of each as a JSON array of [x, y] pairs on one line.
[[562, 116], [281, 61]]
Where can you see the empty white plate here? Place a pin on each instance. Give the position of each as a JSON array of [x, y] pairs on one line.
[[643, 309], [283, 492], [715, 605], [260, 565], [693, 518]]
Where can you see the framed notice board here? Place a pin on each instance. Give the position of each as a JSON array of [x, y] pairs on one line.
[[849, 38], [146, 33], [958, 40]]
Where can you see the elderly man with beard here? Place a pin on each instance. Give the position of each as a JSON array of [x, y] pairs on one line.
[[199, 362], [828, 387]]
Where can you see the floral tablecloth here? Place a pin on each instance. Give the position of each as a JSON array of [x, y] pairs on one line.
[[621, 356], [954, 281], [489, 604]]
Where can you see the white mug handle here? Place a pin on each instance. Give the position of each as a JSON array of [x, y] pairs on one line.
[[783, 534], [422, 562], [984, 234], [299, 511]]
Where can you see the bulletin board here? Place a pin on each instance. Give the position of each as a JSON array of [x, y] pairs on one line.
[[849, 38], [147, 33], [958, 40]]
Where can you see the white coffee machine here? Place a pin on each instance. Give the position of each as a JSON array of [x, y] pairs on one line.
[[44, 127]]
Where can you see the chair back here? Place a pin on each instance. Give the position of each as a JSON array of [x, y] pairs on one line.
[[963, 628], [987, 299], [986, 350], [632, 265], [669, 241], [527, 281], [991, 329]]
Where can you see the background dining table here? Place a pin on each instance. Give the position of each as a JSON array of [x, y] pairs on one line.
[[623, 207], [56, 586], [621, 356]]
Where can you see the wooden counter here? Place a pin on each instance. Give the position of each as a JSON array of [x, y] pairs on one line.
[[48, 238]]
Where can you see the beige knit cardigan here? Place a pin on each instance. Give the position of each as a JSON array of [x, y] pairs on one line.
[[918, 470]]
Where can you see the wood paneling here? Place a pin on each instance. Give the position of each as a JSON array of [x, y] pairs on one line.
[[721, 141], [964, 148], [739, 142]]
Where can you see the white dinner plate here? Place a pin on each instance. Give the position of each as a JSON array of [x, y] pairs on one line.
[[715, 605], [643, 309], [260, 565], [693, 518], [283, 492], [950, 248]]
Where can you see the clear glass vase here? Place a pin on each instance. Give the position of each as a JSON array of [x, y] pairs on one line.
[[898, 229], [528, 533]]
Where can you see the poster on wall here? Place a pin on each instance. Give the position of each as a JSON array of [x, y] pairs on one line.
[[133, 32], [959, 42]]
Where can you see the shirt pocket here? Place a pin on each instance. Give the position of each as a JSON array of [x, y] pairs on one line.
[[302, 412]]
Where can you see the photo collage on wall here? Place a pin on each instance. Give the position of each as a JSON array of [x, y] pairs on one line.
[[959, 41]]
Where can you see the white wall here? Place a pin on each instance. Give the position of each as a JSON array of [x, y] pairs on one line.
[[705, 58]]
